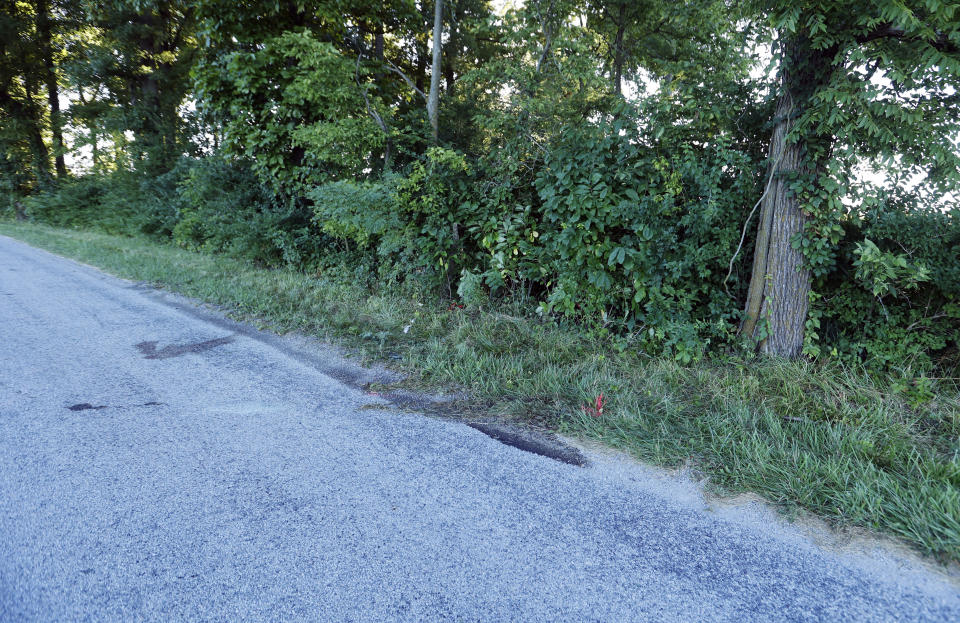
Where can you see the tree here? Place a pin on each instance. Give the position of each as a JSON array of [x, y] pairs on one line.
[[873, 81], [433, 97], [45, 36], [145, 50], [21, 79]]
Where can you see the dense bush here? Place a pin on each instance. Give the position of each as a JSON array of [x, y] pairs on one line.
[[209, 204], [613, 234], [893, 298], [407, 223], [223, 208], [626, 231], [86, 202]]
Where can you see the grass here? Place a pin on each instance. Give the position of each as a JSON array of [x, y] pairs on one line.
[[855, 449]]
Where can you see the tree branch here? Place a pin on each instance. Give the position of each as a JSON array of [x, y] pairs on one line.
[[366, 100], [941, 42], [406, 78]]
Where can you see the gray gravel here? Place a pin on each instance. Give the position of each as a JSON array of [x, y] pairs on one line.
[[205, 473]]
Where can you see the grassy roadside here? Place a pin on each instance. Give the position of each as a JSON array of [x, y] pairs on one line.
[[821, 437]]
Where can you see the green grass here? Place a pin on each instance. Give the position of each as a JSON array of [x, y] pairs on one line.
[[879, 453]]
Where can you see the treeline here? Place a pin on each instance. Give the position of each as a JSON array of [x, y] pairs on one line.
[[685, 173]]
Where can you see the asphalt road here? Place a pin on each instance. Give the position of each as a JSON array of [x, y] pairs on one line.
[[158, 463]]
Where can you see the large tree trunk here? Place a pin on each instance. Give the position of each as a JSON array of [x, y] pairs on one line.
[[778, 297], [779, 285], [53, 90], [433, 98]]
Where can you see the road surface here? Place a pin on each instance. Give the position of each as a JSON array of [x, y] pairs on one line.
[[159, 463]]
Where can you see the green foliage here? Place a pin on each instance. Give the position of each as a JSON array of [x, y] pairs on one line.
[[597, 159], [883, 273], [363, 213], [136, 57], [471, 290], [429, 200], [409, 222], [223, 208], [214, 205], [93, 202], [632, 233], [293, 108], [892, 299]]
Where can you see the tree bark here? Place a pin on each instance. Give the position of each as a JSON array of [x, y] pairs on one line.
[[454, 15], [387, 141], [779, 292], [433, 97], [378, 43], [422, 53], [779, 284]]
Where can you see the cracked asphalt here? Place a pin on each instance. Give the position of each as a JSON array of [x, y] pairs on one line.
[[159, 463]]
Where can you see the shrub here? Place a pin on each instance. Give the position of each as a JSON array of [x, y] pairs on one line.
[[74, 203], [893, 299], [410, 224], [228, 209], [620, 236]]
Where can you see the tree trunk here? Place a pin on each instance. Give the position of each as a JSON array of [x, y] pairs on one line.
[[422, 51], [24, 115], [378, 45], [388, 141], [53, 90], [38, 148], [778, 296], [618, 51], [455, 14], [433, 98]]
